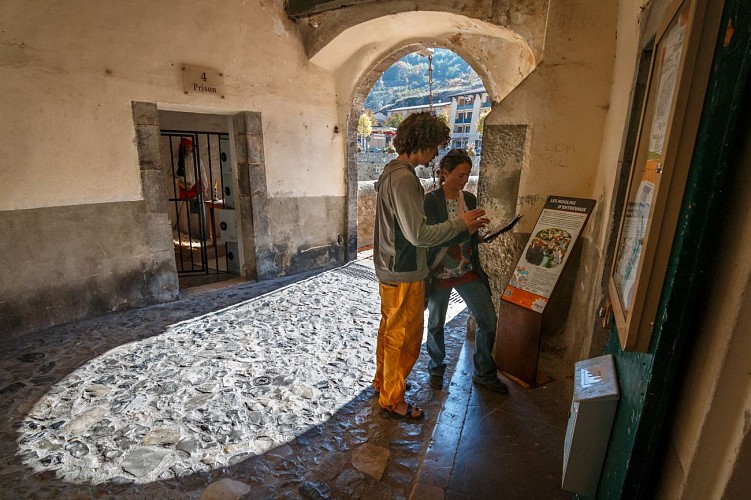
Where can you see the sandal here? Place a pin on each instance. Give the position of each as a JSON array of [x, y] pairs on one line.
[[410, 413]]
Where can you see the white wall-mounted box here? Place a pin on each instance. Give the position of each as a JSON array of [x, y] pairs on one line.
[[590, 421]]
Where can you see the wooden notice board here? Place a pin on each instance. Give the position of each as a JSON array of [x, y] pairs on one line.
[[667, 129], [535, 277]]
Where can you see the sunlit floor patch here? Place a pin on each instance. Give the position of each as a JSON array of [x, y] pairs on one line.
[[209, 392]]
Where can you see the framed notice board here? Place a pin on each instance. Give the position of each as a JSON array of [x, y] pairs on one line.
[[664, 146]]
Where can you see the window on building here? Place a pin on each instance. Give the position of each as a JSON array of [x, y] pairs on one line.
[[466, 100]]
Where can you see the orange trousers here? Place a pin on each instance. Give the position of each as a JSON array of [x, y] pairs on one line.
[[399, 338]]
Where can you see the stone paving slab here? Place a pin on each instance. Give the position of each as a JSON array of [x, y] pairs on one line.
[[263, 388]]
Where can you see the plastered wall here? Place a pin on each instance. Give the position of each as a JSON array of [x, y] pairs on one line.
[[548, 133], [623, 104], [71, 72], [564, 103], [73, 68]]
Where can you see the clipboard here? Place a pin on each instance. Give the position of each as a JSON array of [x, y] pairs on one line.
[[494, 233]]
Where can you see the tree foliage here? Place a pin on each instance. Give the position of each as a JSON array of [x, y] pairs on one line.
[[364, 126], [481, 121], [444, 116], [371, 116], [394, 120]]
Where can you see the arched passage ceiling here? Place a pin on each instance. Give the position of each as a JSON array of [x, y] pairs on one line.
[[321, 21], [500, 56]]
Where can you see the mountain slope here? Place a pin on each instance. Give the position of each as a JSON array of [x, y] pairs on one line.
[[405, 83]]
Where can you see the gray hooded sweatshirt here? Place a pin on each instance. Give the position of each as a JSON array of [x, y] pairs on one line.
[[402, 235]]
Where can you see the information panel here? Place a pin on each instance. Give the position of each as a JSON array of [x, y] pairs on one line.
[[540, 265]]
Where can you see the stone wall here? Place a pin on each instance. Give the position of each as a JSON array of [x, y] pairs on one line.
[[103, 261], [370, 166]]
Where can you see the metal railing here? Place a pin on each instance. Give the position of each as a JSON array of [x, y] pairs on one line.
[[195, 204]]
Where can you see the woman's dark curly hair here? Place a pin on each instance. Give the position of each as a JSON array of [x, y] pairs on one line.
[[421, 131]]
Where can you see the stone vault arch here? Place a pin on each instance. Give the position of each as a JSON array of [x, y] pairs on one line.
[[360, 53]]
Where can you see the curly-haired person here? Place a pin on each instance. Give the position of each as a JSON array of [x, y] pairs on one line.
[[401, 239]]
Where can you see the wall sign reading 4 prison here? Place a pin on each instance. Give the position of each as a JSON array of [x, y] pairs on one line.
[[549, 246], [201, 80]]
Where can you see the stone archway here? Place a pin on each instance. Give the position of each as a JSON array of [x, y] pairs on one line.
[[500, 169], [359, 42]]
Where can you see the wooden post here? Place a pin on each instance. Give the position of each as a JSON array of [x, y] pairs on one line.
[[518, 344]]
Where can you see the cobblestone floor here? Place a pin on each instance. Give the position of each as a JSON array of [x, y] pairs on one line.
[[261, 390]]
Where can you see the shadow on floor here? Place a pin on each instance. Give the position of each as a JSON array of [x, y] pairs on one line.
[[73, 363], [490, 446], [484, 445]]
